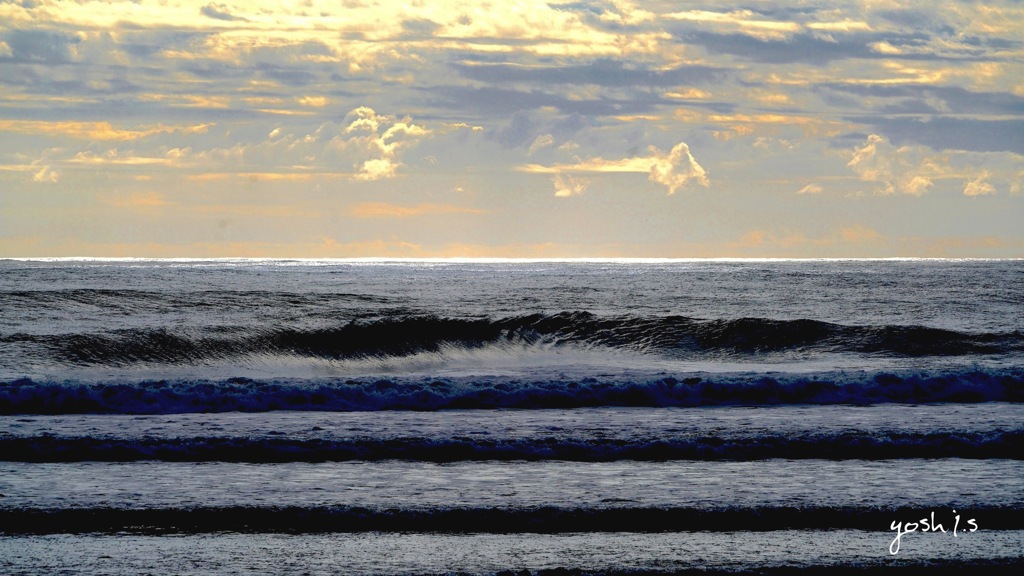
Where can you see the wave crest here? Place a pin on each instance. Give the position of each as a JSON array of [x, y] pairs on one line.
[[404, 335]]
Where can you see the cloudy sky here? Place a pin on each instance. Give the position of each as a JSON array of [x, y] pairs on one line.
[[511, 128]]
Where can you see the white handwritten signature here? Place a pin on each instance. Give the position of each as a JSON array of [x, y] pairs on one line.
[[925, 525]]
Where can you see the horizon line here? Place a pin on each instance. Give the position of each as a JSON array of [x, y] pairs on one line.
[[489, 259]]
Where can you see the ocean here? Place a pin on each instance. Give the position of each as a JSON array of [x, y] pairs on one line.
[[377, 417]]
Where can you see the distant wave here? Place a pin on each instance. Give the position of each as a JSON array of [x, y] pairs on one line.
[[614, 518], [402, 335], [841, 446], [25, 396]]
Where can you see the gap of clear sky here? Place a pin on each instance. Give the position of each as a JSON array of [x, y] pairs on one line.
[[463, 128]]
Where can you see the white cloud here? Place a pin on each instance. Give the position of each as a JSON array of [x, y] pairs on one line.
[[542, 141], [372, 144], [744, 21], [674, 169], [45, 174], [677, 168], [979, 186], [380, 138], [626, 13], [566, 185], [903, 170], [377, 169], [810, 189]]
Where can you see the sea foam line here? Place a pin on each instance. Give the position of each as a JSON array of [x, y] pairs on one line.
[[836, 446], [25, 396]]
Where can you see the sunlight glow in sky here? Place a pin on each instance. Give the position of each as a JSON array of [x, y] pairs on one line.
[[166, 128]]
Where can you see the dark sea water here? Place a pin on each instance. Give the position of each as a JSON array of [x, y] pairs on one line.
[[602, 417]]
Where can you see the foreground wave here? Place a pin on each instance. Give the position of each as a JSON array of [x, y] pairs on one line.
[[777, 553], [402, 335], [26, 396]]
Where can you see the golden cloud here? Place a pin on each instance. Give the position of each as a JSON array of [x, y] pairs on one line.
[[94, 130], [385, 210]]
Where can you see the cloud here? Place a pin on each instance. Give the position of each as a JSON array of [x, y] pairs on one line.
[[263, 176], [1017, 181], [175, 157], [979, 186], [541, 129], [494, 101], [748, 22], [219, 12], [312, 103], [364, 146], [931, 98], [677, 168], [542, 141], [45, 174], [372, 143], [379, 137], [626, 14], [94, 130], [952, 133], [40, 46], [800, 47], [137, 200], [385, 210], [895, 169], [844, 240], [674, 169], [603, 72], [566, 185]]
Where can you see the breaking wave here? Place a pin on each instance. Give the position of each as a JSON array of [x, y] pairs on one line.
[[396, 336]]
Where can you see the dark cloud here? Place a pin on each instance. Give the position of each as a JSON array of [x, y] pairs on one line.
[[286, 75], [214, 70], [40, 80], [914, 18], [39, 46], [420, 28], [519, 131], [500, 101], [577, 7], [916, 98], [494, 101], [600, 73], [910, 106], [784, 13], [140, 49], [810, 49], [523, 128], [951, 133], [848, 140], [219, 12], [994, 43], [132, 110], [799, 48]]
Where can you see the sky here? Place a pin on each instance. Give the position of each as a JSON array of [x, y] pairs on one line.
[[528, 129]]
